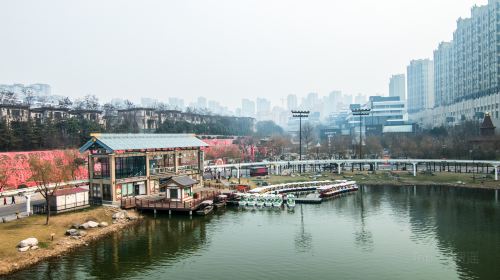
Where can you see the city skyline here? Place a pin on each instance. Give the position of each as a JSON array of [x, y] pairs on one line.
[[223, 64]]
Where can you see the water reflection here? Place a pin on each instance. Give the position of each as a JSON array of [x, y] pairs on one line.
[[154, 243], [363, 237], [303, 239]]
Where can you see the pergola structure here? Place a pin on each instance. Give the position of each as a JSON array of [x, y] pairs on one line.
[[130, 165]]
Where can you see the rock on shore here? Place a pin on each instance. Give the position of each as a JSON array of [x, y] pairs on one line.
[[27, 244]]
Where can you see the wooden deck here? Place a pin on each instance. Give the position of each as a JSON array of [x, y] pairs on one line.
[[164, 204]]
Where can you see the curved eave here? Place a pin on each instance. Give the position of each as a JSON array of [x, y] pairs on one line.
[[93, 141]]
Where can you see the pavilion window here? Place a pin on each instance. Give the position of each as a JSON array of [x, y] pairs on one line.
[[101, 168], [127, 167], [127, 190], [95, 191]]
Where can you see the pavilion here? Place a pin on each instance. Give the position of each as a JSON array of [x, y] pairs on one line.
[[129, 165]]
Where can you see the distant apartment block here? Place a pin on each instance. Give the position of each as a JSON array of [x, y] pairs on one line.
[[466, 71], [397, 86], [420, 85]]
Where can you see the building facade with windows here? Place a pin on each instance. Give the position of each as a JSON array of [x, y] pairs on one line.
[[467, 71], [420, 85]]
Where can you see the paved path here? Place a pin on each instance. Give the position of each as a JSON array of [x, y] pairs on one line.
[[19, 207]]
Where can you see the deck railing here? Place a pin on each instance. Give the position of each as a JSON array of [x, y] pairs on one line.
[[166, 203]]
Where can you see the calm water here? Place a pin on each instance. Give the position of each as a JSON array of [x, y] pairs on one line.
[[376, 233]]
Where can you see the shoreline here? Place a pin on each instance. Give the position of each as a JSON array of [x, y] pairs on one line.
[[62, 247]]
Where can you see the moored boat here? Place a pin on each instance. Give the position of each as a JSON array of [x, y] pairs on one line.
[[243, 200], [206, 208], [277, 201], [290, 201], [268, 200], [339, 187], [251, 201], [260, 201], [220, 201]]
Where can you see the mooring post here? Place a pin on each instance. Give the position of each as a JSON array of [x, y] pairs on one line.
[[414, 169], [169, 212], [496, 172], [154, 211], [190, 212], [339, 167]]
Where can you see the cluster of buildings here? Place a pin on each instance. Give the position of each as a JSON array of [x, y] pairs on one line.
[[461, 82], [142, 119], [320, 107], [22, 113]]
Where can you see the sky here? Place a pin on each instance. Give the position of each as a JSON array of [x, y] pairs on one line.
[[223, 50]]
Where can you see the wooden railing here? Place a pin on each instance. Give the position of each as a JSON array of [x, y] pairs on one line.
[[167, 204]]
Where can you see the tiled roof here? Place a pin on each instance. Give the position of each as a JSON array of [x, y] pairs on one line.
[[114, 142], [183, 180]]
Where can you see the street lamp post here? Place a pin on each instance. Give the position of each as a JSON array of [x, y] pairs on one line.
[[300, 115], [360, 113], [317, 150]]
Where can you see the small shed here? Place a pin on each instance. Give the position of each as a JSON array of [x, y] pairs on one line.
[[179, 188], [63, 200]]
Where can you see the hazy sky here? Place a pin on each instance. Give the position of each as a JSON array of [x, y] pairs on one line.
[[223, 50]]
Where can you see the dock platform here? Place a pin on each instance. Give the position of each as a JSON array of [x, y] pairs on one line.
[[156, 203]]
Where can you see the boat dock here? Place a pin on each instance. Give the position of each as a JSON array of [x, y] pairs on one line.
[[157, 203]]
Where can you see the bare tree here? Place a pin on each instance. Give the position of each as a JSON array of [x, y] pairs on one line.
[[65, 102], [29, 97], [308, 135], [3, 174], [129, 104], [48, 177], [109, 109], [91, 102]]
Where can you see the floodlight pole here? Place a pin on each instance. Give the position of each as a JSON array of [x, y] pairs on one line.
[[300, 115], [360, 113]]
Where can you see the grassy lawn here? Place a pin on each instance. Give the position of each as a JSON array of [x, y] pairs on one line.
[[13, 232]]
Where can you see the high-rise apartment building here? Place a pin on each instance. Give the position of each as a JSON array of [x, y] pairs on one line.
[[420, 85], [247, 108], [397, 86], [263, 106], [292, 102], [443, 74]]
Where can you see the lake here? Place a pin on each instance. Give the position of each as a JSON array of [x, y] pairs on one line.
[[379, 232]]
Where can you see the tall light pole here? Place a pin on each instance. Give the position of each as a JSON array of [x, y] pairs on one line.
[[360, 112], [317, 150], [300, 115]]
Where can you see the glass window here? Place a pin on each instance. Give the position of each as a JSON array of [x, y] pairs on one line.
[[106, 192], [95, 191], [174, 193], [127, 167], [101, 168]]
